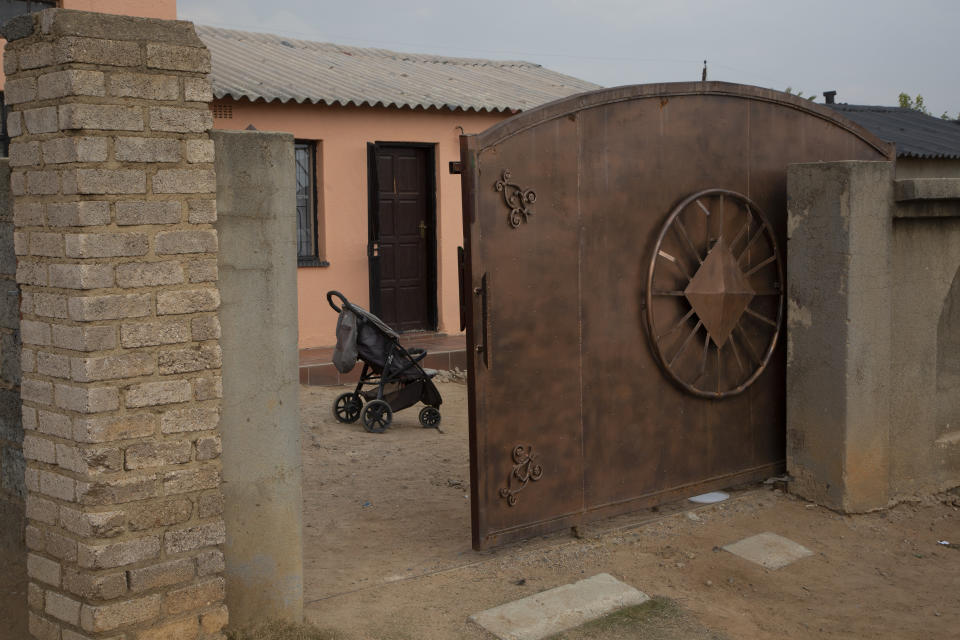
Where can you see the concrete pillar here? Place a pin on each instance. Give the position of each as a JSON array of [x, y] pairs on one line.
[[261, 449], [840, 217], [113, 184]]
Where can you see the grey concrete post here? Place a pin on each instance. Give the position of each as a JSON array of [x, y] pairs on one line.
[[840, 217], [261, 447]]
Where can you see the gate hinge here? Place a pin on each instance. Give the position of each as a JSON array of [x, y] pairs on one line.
[[456, 168]]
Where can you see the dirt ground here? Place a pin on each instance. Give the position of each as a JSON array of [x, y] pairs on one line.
[[13, 592], [387, 552], [382, 507], [388, 549]]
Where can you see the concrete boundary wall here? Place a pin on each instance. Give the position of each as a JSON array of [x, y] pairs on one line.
[[114, 202], [873, 368], [925, 345], [261, 450]]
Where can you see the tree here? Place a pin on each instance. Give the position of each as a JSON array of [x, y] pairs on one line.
[[917, 104], [799, 94], [906, 102]]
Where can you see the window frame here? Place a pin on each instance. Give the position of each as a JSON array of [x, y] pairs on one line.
[[317, 258]]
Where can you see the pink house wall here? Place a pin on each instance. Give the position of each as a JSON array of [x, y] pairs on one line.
[[165, 9], [343, 134]]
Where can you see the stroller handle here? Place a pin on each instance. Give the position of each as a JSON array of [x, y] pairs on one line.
[[343, 300]]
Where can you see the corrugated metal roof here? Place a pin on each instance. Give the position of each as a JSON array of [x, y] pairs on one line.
[[915, 134], [261, 66]]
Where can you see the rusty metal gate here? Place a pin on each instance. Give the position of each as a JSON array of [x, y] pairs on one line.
[[623, 294]]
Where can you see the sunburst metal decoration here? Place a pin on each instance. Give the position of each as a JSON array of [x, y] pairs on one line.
[[714, 295]]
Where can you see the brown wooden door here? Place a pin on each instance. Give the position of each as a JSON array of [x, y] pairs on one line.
[[402, 286]]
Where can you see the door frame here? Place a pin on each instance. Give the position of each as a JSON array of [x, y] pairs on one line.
[[373, 224]]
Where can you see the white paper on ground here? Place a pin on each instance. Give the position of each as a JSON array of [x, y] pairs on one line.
[[710, 498]]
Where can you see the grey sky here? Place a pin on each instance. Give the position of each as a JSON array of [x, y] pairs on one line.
[[868, 50]]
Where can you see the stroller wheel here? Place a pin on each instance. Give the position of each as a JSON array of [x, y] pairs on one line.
[[347, 407], [430, 418], [377, 416]]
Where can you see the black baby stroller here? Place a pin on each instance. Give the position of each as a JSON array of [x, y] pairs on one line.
[[395, 373]]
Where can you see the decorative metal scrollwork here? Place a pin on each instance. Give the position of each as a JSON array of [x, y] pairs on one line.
[[517, 198], [525, 469]]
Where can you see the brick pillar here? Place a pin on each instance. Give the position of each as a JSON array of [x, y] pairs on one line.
[[113, 184]]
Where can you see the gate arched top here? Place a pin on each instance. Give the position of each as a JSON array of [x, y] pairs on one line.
[[593, 99]]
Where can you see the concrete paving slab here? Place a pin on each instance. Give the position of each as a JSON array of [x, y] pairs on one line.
[[559, 609], [769, 550]]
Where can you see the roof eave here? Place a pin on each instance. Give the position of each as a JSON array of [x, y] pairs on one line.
[[241, 95]]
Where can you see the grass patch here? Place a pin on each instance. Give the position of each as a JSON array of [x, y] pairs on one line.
[[276, 630], [656, 619]]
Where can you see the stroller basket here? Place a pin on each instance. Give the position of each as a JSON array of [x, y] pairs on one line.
[[393, 375]]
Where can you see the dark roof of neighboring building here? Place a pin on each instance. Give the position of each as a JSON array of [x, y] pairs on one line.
[[915, 134], [261, 66]]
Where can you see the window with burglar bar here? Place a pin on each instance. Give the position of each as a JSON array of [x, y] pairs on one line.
[[308, 246]]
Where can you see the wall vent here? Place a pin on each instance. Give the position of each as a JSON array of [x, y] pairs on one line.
[[224, 111]]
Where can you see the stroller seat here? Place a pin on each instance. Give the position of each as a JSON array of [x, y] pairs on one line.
[[395, 372]]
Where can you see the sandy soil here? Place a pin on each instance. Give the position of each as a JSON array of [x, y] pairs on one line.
[[388, 550], [13, 592], [382, 507], [401, 566]]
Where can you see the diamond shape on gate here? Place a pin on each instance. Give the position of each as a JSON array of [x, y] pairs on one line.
[[719, 293]]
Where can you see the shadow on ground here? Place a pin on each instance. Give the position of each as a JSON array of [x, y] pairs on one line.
[[13, 575], [656, 619]]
